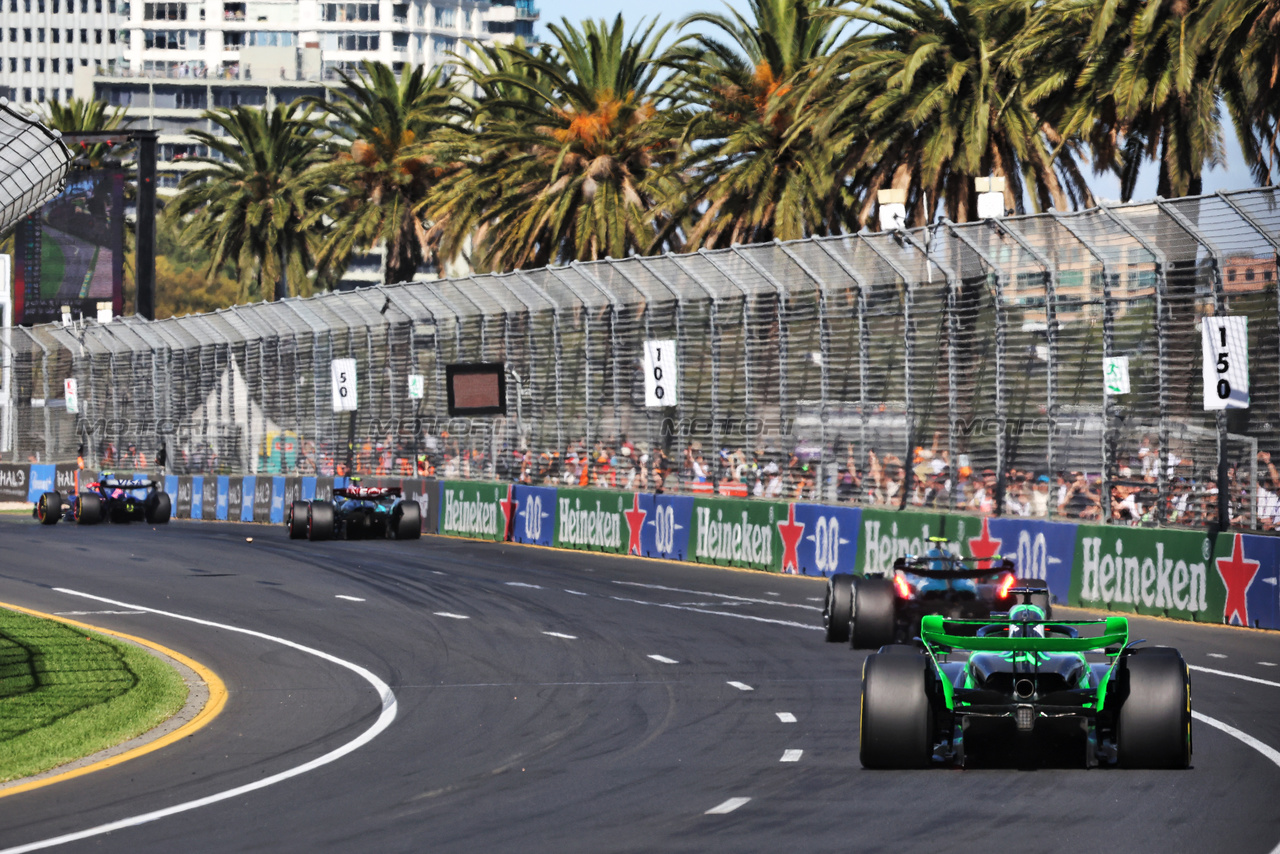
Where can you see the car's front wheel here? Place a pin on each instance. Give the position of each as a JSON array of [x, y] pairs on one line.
[[159, 508], [49, 508], [838, 608]]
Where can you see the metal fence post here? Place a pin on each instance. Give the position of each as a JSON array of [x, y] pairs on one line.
[[557, 349], [714, 339], [824, 374]]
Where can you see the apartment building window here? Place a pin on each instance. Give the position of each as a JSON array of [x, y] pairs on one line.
[[56, 34], [400, 41], [40, 67], [26, 93], [13, 65], [350, 12], [351, 41], [26, 64], [111, 6], [67, 94], [40, 34], [164, 12], [440, 44], [13, 34], [26, 35], [271, 39], [111, 36], [53, 65], [97, 36], [40, 6], [26, 6], [173, 39], [446, 17], [40, 94], [55, 6], [190, 99], [71, 36], [97, 6], [84, 62], [84, 36]]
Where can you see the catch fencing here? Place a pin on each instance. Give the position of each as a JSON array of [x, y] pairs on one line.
[[951, 367]]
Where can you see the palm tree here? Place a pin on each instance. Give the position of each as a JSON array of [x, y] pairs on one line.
[[941, 91], [79, 115], [752, 177], [382, 166], [580, 154], [1147, 91], [246, 206], [1243, 36]]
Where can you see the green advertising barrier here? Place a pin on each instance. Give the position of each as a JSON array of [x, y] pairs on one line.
[[470, 509], [592, 519], [889, 534], [737, 532], [1146, 571]]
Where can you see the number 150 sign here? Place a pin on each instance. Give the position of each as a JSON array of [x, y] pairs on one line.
[[660, 373], [1225, 342]]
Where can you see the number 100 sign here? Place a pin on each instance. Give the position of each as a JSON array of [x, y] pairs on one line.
[[660, 373], [1225, 343]]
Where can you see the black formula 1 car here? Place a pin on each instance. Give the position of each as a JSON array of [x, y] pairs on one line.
[[1021, 688], [870, 611], [356, 513], [109, 498]]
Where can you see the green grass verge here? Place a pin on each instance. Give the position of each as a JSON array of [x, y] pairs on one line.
[[66, 693]]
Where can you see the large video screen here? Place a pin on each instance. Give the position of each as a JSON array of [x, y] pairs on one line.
[[71, 251]]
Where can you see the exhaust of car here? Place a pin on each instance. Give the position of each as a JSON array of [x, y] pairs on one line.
[[1024, 688]]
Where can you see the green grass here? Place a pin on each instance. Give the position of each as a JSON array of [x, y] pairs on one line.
[[67, 693], [53, 265]]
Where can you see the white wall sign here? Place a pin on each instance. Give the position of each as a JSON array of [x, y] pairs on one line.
[[417, 386], [72, 397], [661, 374], [344, 385], [1115, 374], [1225, 345]]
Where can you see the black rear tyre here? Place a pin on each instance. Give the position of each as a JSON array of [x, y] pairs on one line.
[[1153, 727], [297, 521], [320, 523], [896, 729], [88, 510], [407, 521], [49, 508], [838, 608], [873, 622], [159, 508]]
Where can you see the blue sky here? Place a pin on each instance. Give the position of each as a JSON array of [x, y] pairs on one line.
[[1234, 176]]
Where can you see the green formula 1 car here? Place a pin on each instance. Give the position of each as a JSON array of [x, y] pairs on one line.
[[1020, 687]]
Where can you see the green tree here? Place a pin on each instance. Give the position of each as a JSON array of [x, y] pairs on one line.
[[576, 145], [1243, 36], [79, 115], [938, 92], [754, 172], [247, 205], [382, 166]]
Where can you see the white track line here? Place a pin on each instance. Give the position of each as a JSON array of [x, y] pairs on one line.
[[575, 592], [1267, 751], [439, 614], [88, 613], [727, 807], [1233, 675], [522, 584], [560, 635], [742, 686], [384, 720], [719, 613], [349, 598], [1267, 663], [792, 755], [1215, 655], [719, 595], [786, 717], [664, 659]]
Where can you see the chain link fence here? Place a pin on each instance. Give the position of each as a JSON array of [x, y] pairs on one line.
[[952, 367]]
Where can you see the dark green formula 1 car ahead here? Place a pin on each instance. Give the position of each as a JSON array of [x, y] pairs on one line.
[[1019, 688]]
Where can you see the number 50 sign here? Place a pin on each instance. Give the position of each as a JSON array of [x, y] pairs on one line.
[[660, 373], [1225, 342]]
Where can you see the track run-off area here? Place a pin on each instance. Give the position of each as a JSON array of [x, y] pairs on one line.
[[449, 695]]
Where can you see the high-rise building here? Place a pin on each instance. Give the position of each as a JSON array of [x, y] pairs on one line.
[[42, 42]]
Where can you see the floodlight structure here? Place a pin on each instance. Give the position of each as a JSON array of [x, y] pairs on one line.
[[34, 164]]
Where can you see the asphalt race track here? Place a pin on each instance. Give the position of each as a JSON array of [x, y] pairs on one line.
[[556, 701]]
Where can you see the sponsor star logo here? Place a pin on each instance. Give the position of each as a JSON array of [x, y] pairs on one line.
[[508, 505], [1237, 574], [984, 548], [635, 524], [791, 531]]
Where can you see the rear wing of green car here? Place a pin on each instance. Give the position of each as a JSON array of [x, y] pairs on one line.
[[939, 633]]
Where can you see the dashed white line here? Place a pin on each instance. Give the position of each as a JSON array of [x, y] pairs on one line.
[[576, 592], [436, 572], [792, 755], [452, 616], [719, 613], [1267, 663], [771, 593], [1233, 675], [742, 686], [664, 659], [561, 635], [1216, 655], [786, 717], [88, 613], [522, 584], [813, 598], [349, 598], [717, 595], [727, 807]]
